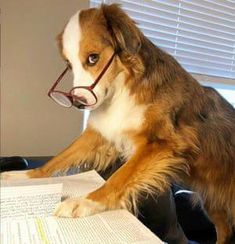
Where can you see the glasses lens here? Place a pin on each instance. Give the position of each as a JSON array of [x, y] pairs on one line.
[[61, 99], [84, 96]]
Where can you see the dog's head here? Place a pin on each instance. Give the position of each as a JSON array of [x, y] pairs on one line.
[[99, 44]]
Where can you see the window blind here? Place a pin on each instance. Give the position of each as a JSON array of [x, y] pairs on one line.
[[200, 34]]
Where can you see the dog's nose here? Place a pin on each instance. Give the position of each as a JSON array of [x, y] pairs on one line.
[[78, 105]]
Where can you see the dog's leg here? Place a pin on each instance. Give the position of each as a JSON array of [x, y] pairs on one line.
[[222, 226], [146, 170], [89, 147]]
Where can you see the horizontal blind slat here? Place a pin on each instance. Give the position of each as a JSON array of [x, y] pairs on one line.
[[189, 46], [204, 56], [212, 56], [206, 10], [181, 36], [211, 19], [205, 70], [206, 63], [190, 19], [226, 4], [190, 34]]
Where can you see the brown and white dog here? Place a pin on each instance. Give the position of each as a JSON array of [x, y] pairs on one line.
[[149, 111]]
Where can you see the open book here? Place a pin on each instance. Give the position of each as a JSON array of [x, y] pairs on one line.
[[27, 207]]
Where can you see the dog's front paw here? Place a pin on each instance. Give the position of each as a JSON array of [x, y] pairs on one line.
[[78, 207]]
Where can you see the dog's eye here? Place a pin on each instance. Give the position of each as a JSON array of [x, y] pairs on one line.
[[92, 59]]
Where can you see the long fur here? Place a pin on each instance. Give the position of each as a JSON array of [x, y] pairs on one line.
[[194, 121], [188, 132]]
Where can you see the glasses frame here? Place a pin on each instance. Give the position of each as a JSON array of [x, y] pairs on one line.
[[69, 94]]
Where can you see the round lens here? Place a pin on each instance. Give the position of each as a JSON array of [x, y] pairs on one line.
[[61, 99], [84, 96]]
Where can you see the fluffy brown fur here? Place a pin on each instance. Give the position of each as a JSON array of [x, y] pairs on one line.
[[188, 134]]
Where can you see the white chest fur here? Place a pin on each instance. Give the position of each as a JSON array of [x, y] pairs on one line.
[[121, 117]]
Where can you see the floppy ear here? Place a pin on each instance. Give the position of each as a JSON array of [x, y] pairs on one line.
[[122, 28]]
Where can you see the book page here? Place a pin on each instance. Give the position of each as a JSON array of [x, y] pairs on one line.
[[73, 185], [29, 201], [112, 227]]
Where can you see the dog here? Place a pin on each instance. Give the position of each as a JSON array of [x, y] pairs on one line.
[[146, 109]]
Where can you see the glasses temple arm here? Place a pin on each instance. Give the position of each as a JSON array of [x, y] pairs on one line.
[[58, 80], [103, 71]]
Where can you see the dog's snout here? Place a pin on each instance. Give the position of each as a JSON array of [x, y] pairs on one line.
[[77, 97], [82, 100]]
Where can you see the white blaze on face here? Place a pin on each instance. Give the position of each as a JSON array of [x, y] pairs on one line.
[[71, 39]]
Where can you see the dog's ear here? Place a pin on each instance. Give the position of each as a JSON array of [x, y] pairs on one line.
[[125, 34]]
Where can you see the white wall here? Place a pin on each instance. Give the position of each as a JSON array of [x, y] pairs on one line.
[[31, 123]]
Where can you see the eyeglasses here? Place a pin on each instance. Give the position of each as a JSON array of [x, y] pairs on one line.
[[68, 99]]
